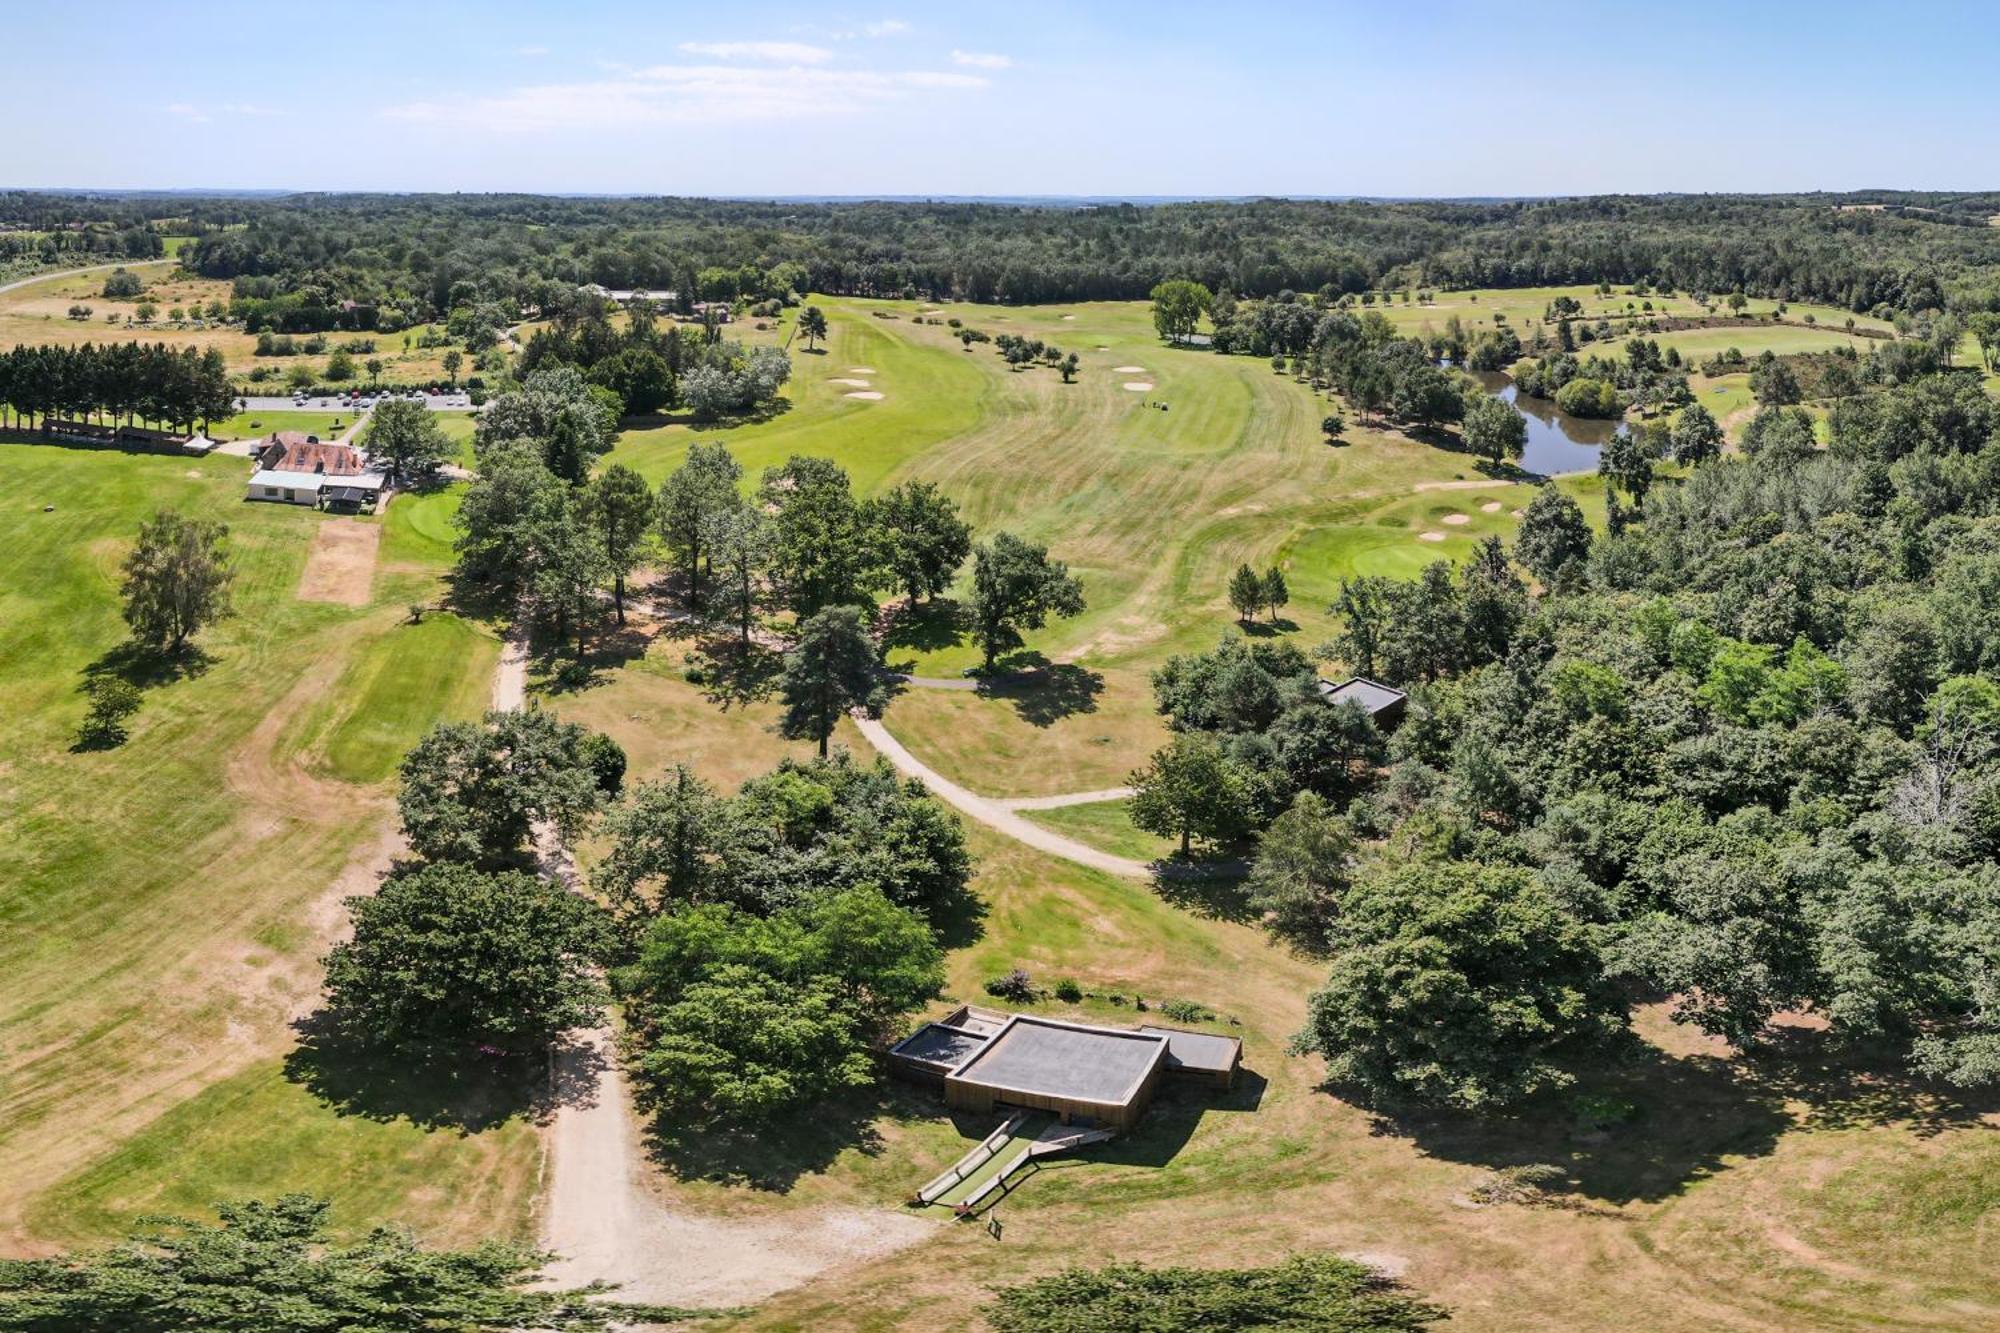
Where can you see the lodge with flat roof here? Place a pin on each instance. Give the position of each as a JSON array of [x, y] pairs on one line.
[[984, 1059]]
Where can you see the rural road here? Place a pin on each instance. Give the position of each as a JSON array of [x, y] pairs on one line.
[[72, 272], [1000, 815]]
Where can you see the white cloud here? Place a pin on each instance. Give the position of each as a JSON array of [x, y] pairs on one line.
[[981, 59], [686, 94], [783, 53], [885, 28]]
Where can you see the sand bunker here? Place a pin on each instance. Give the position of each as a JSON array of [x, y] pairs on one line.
[[1130, 370], [1138, 386], [1456, 519], [1430, 536], [852, 384], [1520, 513], [869, 394], [1069, 316], [859, 370], [1490, 507]]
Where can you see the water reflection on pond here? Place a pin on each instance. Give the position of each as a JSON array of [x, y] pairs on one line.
[[1557, 442]]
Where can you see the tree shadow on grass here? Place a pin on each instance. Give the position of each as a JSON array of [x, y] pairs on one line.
[[772, 1157], [770, 411], [734, 673], [1042, 693], [144, 667], [1211, 887], [1843, 1086], [1678, 1121], [473, 598], [1645, 1127], [959, 920], [1266, 629], [555, 669], [467, 1091], [923, 626]]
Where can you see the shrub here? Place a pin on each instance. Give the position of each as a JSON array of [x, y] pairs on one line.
[[606, 761], [1015, 985], [1519, 1184], [1068, 991], [1186, 1011], [1309, 1291]]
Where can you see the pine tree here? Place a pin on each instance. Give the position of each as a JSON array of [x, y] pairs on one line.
[[1246, 592]]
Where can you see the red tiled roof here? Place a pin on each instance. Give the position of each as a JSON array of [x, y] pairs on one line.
[[290, 451]]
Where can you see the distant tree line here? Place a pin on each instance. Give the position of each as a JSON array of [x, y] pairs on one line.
[[409, 253]]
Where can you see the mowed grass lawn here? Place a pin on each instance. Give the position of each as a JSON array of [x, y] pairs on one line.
[[163, 904], [1153, 496]]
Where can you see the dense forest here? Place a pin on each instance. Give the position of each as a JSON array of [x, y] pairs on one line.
[[1862, 251]]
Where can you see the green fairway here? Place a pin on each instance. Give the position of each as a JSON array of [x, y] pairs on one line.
[[394, 687], [165, 901]]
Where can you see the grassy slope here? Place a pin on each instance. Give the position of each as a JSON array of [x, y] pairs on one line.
[[164, 902]]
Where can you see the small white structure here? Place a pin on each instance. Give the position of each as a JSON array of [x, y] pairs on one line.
[[626, 296], [294, 468]]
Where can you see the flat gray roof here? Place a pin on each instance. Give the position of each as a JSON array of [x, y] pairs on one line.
[[934, 1043], [1065, 1060], [1369, 694], [1198, 1050]]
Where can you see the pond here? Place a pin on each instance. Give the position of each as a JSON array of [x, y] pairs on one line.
[[1557, 442]]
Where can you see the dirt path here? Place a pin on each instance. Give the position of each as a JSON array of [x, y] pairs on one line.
[[603, 1212], [609, 1225], [995, 814], [1070, 798]]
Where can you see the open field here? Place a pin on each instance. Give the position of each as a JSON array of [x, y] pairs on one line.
[[1524, 307], [255, 425], [39, 313], [166, 900]]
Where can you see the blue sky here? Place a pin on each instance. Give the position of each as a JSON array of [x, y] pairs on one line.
[[1027, 97]]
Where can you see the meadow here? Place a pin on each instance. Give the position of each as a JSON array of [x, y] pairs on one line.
[[39, 313]]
